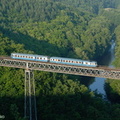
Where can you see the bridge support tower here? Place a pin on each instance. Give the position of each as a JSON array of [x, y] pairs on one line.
[[30, 111]]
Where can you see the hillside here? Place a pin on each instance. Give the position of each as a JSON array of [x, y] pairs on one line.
[[65, 28]]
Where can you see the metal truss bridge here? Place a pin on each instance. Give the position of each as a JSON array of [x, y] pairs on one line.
[[103, 72], [30, 111]]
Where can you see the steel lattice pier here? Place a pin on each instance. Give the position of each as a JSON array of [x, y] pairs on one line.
[[61, 68]]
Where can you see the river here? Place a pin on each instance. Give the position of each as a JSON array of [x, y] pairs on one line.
[[98, 83]]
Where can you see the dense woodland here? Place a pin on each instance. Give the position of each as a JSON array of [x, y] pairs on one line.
[[66, 28]]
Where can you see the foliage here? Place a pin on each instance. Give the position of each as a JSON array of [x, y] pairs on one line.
[[79, 29], [113, 90], [113, 86]]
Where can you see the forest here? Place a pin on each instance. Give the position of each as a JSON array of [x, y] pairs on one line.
[[66, 28]]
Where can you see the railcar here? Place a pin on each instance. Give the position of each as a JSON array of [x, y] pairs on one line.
[[71, 61], [57, 60], [32, 57]]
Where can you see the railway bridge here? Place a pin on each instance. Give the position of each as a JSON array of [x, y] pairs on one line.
[[103, 72], [30, 66]]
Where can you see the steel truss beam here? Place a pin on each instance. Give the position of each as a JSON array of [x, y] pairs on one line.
[[61, 68]]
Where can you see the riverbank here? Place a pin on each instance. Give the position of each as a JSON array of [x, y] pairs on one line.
[[98, 84]]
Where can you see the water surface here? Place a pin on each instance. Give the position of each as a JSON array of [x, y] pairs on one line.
[[107, 60]]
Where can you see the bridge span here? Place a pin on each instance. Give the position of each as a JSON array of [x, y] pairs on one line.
[[103, 72]]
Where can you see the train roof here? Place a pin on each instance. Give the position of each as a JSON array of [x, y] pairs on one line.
[[71, 59], [29, 54]]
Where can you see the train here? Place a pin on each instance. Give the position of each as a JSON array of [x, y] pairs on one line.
[[57, 60]]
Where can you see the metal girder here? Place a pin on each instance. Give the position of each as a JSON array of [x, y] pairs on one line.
[[61, 68]]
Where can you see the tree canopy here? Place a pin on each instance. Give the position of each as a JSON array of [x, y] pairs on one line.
[[65, 28]]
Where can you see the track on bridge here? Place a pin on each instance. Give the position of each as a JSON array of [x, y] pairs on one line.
[[100, 71]]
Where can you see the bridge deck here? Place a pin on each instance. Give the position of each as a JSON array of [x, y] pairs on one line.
[[100, 71]]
